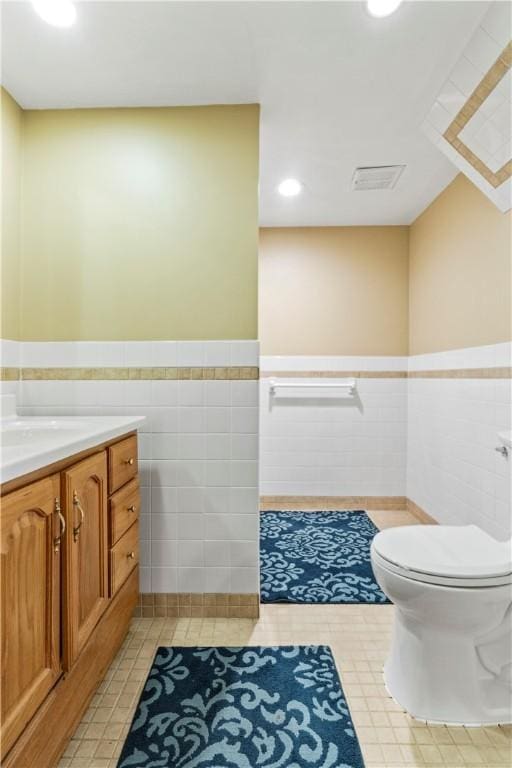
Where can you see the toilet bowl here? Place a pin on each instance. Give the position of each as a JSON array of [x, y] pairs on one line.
[[451, 652]]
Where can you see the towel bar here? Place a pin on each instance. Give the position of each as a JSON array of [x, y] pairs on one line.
[[349, 384]]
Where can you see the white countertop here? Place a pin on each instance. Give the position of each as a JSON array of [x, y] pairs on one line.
[[30, 443]]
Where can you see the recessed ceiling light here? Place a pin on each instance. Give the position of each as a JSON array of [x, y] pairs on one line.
[[58, 13], [289, 188], [381, 8]]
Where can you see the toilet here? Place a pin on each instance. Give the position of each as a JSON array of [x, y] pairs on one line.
[[451, 652]]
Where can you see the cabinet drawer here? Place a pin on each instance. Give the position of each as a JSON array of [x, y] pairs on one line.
[[124, 556], [122, 463], [124, 509]]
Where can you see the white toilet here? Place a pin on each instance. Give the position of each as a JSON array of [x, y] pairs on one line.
[[451, 652]]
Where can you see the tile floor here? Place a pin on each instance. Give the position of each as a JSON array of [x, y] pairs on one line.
[[359, 637]]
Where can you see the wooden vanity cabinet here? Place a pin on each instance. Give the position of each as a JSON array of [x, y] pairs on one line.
[[84, 490], [124, 556], [69, 555], [30, 602], [122, 463], [124, 510]]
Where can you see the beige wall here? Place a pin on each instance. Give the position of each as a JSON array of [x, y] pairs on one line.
[[460, 272], [443, 283], [140, 223], [333, 291], [11, 148]]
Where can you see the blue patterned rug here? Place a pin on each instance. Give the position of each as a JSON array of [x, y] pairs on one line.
[[317, 557], [280, 707]]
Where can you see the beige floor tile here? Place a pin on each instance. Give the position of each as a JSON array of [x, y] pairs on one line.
[[86, 748], [105, 749], [359, 636], [392, 754], [94, 731]]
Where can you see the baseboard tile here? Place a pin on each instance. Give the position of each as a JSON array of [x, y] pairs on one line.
[[374, 503], [208, 605], [223, 605], [420, 513], [371, 503]]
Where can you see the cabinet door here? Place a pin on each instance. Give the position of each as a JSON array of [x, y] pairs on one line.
[[30, 531], [86, 554]]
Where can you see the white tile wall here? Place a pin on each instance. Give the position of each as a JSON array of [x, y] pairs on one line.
[[453, 470], [488, 133], [330, 447], [198, 454], [430, 439], [332, 363], [9, 358], [9, 353], [489, 356], [58, 354]]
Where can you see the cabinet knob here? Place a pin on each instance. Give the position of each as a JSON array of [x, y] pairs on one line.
[[129, 461], [131, 556], [131, 509]]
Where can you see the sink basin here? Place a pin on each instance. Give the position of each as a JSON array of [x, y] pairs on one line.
[[11, 437], [19, 432], [27, 444], [40, 423]]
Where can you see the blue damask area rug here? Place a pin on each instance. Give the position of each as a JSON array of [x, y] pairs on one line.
[[279, 707], [317, 557]]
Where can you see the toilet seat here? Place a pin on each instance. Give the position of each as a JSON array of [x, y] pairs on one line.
[[456, 556]]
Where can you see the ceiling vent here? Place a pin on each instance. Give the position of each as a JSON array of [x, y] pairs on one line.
[[378, 177]]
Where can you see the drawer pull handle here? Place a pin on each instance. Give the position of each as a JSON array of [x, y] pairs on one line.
[[62, 523], [131, 555], [129, 461], [131, 509], [76, 503]]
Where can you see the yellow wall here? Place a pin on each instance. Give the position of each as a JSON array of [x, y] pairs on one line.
[[11, 148], [460, 272], [333, 291], [140, 223]]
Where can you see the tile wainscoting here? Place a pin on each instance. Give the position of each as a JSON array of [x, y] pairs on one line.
[[423, 434], [325, 446], [198, 448], [198, 606], [9, 366], [422, 429], [454, 472]]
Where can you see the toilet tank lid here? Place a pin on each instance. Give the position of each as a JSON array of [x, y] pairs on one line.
[[445, 550]]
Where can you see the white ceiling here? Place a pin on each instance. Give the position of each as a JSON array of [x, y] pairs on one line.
[[337, 87]]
